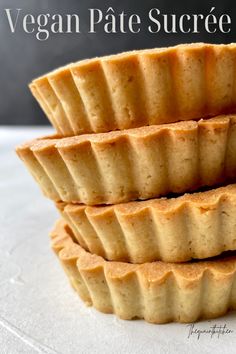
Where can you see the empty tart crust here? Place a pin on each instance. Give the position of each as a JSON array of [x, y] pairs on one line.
[[134, 89], [199, 225], [141, 163], [158, 292]]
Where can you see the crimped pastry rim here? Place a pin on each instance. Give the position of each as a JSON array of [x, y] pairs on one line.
[[157, 292], [63, 244], [112, 56], [129, 53], [163, 204], [137, 163], [58, 141], [192, 226], [133, 89]]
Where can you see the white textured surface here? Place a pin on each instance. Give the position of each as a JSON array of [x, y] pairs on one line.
[[39, 312]]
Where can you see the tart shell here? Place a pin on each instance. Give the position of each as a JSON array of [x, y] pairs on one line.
[[141, 163], [134, 89], [158, 292], [198, 225]]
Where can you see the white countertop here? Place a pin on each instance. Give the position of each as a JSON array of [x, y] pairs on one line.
[[39, 312]]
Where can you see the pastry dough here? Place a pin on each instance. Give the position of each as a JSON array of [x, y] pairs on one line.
[[158, 292], [145, 87]]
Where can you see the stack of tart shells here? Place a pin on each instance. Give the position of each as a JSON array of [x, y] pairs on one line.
[[142, 169]]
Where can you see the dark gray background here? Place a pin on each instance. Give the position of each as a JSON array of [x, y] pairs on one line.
[[23, 57]]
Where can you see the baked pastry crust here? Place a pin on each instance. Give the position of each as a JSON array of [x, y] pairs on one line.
[[141, 163], [134, 89], [158, 292], [198, 225]]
